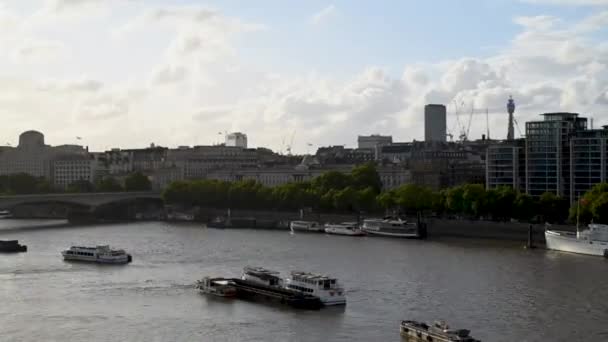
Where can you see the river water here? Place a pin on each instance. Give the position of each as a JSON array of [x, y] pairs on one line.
[[500, 292]]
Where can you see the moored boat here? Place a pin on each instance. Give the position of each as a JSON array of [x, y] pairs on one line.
[[5, 214], [391, 227], [591, 241], [216, 286], [11, 246], [328, 289], [99, 254], [413, 331], [345, 228], [307, 226]]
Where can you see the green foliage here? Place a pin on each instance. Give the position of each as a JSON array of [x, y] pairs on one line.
[[599, 208], [332, 180], [553, 208], [108, 184], [365, 176], [81, 186], [137, 182], [386, 200], [525, 207], [22, 183], [414, 198]]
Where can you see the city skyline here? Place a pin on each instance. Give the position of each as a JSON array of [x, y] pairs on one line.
[[308, 70]]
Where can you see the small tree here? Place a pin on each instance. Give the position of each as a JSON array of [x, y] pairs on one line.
[[108, 184], [81, 186], [137, 182]]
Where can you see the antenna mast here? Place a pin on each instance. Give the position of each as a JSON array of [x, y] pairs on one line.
[[487, 124]]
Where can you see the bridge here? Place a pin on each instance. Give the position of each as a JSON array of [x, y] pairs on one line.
[[83, 199]]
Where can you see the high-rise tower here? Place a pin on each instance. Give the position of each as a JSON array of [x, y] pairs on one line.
[[511, 109]]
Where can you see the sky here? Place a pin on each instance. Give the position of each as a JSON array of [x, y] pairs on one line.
[[128, 73]]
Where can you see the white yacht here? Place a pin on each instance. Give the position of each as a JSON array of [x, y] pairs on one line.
[[262, 276], [591, 241], [5, 214], [391, 227], [216, 286], [345, 228], [309, 226], [99, 254], [328, 289]]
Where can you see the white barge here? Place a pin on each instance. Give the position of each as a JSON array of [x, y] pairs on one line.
[[346, 228]]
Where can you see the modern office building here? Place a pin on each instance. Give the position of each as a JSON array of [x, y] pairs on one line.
[[588, 156], [435, 122], [506, 165], [548, 153], [236, 139], [373, 141]]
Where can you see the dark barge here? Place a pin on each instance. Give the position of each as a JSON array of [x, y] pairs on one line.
[[11, 246], [295, 299]]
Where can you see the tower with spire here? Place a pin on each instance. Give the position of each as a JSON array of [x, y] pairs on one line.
[[511, 110]]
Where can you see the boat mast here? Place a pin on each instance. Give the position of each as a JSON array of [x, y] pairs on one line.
[[578, 211]]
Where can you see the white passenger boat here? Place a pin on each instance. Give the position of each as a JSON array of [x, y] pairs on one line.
[[591, 241], [391, 227], [309, 226], [262, 276], [216, 286], [345, 228], [328, 289], [99, 254], [5, 214]]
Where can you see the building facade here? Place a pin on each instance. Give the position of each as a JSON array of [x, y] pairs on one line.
[[548, 153], [588, 156], [236, 139], [506, 165], [69, 170], [435, 122], [372, 142]]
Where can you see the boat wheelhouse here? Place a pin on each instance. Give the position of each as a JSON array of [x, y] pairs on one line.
[[345, 228], [413, 331], [216, 286], [99, 254], [328, 289], [307, 226], [391, 227], [262, 276]]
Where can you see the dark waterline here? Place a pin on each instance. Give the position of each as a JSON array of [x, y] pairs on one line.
[[501, 292]]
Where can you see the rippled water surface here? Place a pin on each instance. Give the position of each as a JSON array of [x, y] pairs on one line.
[[501, 293]]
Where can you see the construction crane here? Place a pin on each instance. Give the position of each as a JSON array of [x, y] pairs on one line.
[[466, 135], [487, 124]]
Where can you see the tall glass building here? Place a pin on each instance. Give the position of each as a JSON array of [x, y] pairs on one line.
[[588, 154], [548, 153]]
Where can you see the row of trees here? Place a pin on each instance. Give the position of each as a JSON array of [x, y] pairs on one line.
[[332, 191], [361, 190], [22, 183]]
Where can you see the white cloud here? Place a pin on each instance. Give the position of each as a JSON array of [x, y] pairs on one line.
[[194, 78], [323, 15], [38, 51]]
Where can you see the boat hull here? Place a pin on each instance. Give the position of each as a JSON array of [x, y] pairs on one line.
[[345, 232], [561, 241], [392, 234], [304, 226], [81, 258]]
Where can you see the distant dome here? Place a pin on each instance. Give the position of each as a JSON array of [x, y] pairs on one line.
[[31, 139]]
